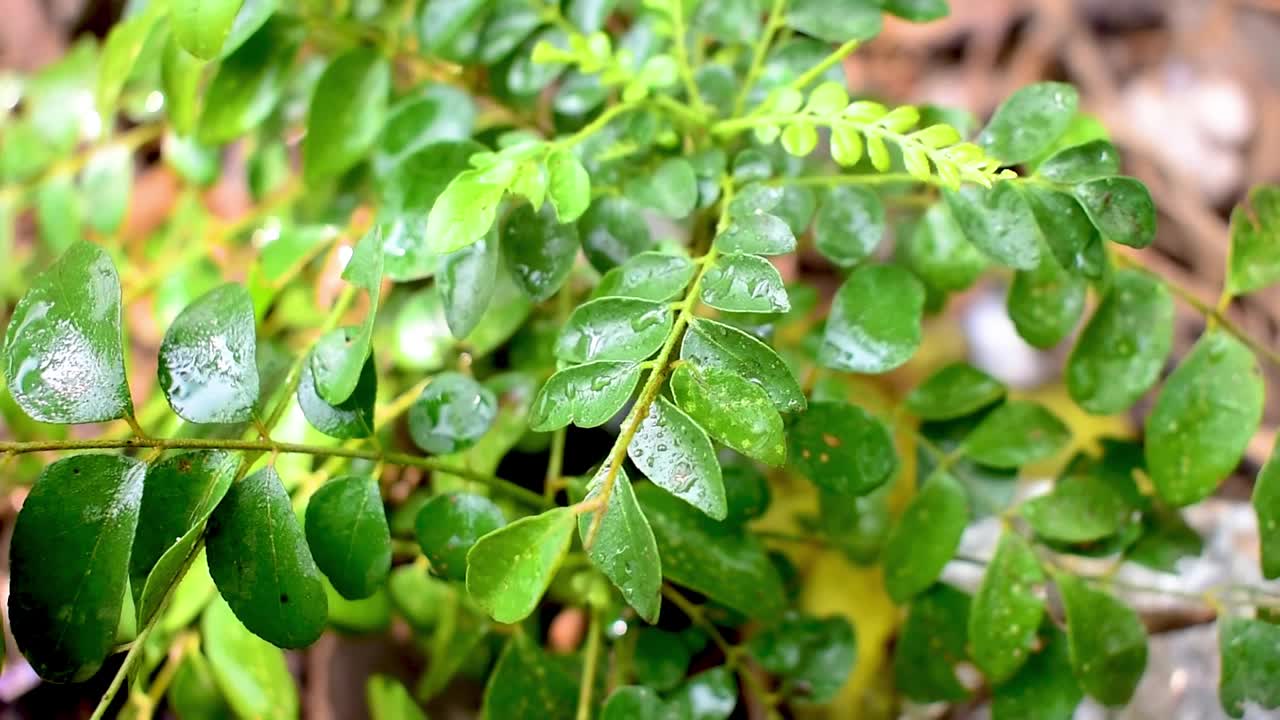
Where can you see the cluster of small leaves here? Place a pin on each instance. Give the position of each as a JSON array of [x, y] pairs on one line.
[[509, 275]]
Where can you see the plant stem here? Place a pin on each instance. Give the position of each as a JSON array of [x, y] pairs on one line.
[[733, 654], [590, 660], [816, 71], [680, 32], [131, 140], [758, 55], [891, 178]]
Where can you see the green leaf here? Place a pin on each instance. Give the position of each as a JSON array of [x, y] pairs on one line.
[[62, 350], [938, 252], [759, 234], [509, 569], [675, 453], [202, 26], [249, 82], [814, 655], [709, 344], [1068, 232], [1007, 609], [348, 109], [874, 325], [632, 702], [1123, 348], [252, 675], [732, 409], [467, 207], [1250, 661], [661, 659], [999, 222], [584, 395], [1078, 163], [1078, 510], [849, 225], [1255, 253], [105, 182], [1121, 208], [1107, 640], [1029, 121], [716, 559], [69, 561], [467, 280], [60, 211], [208, 359], [1015, 434], [193, 693], [624, 548], [653, 276], [672, 189], [124, 45], [408, 190], [957, 390], [388, 699], [617, 329], [451, 414], [568, 185], [917, 10], [932, 643], [338, 360], [529, 683], [841, 448], [1044, 688], [259, 560], [253, 14], [178, 496], [836, 22], [539, 250], [613, 230], [1202, 421], [709, 695], [348, 535], [1266, 503], [925, 537], [353, 418], [744, 283], [1045, 304], [746, 491], [432, 114], [449, 525], [799, 138]]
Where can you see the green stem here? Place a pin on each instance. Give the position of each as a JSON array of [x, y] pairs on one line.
[[891, 178], [816, 71], [679, 33], [761, 51], [590, 660]]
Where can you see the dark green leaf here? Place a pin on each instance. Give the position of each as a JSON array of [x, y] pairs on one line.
[[661, 659], [1250, 652], [624, 548], [529, 683], [744, 283], [842, 449], [672, 189], [1068, 231], [709, 344], [348, 535], [675, 453], [339, 358], [193, 694], [632, 702], [539, 250], [753, 228], [836, 22], [874, 325], [1107, 640], [584, 395], [713, 558], [1007, 609], [429, 115], [389, 700], [1121, 208], [1266, 503], [348, 108], [1015, 434], [1123, 347], [69, 561], [1078, 163], [208, 359], [201, 26], [925, 538], [258, 558], [252, 675], [999, 222], [917, 10], [849, 226], [353, 418], [732, 409], [613, 230], [1029, 121], [746, 491], [814, 655], [448, 525], [62, 350], [620, 329], [467, 279], [938, 252], [1045, 304], [510, 568], [648, 276], [932, 643], [451, 414], [1255, 254], [249, 82], [1202, 421], [956, 390], [1044, 688], [1079, 510], [1166, 539]]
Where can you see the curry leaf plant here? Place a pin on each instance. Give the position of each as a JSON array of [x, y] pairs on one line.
[[502, 358]]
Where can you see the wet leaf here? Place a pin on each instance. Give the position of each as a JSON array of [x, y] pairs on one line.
[[249, 82], [841, 448], [348, 535], [849, 225], [1078, 163], [1007, 609], [814, 655], [617, 329], [836, 22], [1121, 208], [931, 645], [999, 222], [709, 344], [208, 359], [1078, 510], [1107, 640], [613, 230], [585, 395], [1250, 661], [744, 283], [1255, 255], [1015, 434], [632, 702], [672, 188], [624, 548], [1029, 121], [431, 114], [675, 453], [1266, 503], [709, 695], [568, 185], [466, 208], [1044, 688], [339, 358], [957, 390], [1045, 304], [539, 250], [510, 568], [348, 109], [353, 418], [527, 682], [874, 325], [451, 414], [408, 190], [925, 537], [448, 525], [938, 252], [648, 276], [733, 410]]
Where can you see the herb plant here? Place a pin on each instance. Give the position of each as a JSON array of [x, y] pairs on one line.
[[552, 215]]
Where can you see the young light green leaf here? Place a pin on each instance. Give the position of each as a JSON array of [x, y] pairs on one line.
[[1045, 304], [1121, 208], [874, 325], [208, 360], [613, 328], [1255, 254], [348, 535], [1078, 163], [709, 344], [1007, 609], [1124, 346], [338, 360], [846, 145], [624, 548], [388, 699], [249, 82], [799, 138], [106, 182], [925, 538], [717, 559], [956, 390], [259, 560], [1015, 434], [1250, 651], [528, 682], [939, 254], [408, 190], [69, 563], [585, 395], [999, 222], [732, 409], [509, 569], [672, 189], [1202, 421], [1029, 121], [539, 250], [1107, 640], [931, 645], [202, 26], [353, 418], [849, 225], [744, 283], [568, 185], [1044, 688], [675, 453], [814, 655], [467, 207], [124, 45], [841, 448], [451, 414], [63, 355], [448, 525], [613, 230], [252, 675], [348, 108], [653, 276]]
